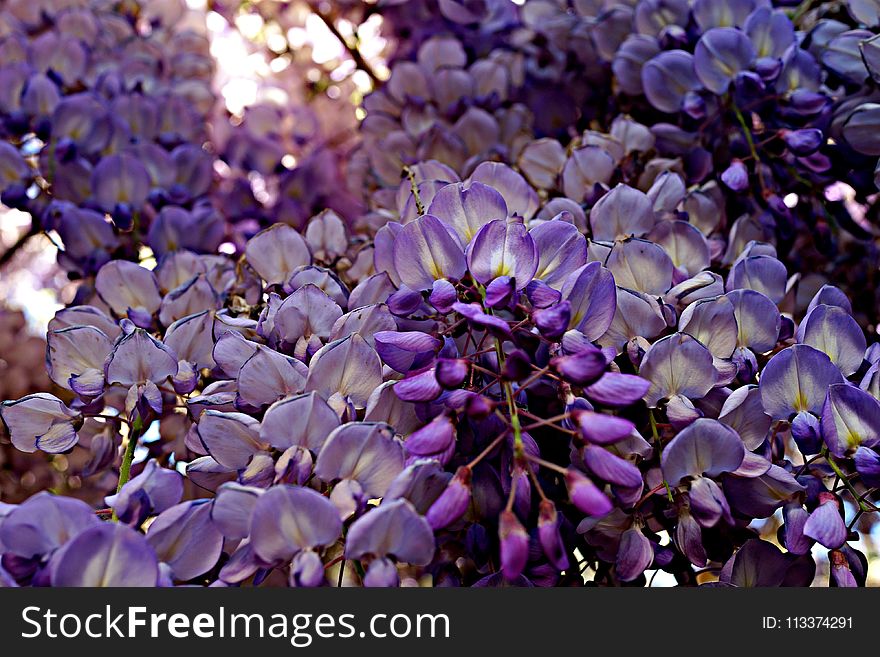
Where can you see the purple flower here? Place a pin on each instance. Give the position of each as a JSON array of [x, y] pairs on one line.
[[796, 379], [108, 555], [153, 491], [435, 440], [426, 251], [40, 421], [825, 524], [287, 520], [452, 502], [585, 495], [393, 530], [502, 248], [736, 176]]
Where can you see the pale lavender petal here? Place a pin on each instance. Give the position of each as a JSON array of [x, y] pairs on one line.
[[349, 367], [706, 447], [713, 323], [72, 351], [232, 508], [832, 330], [796, 379], [622, 212], [288, 519], [304, 420], [34, 416], [191, 339], [593, 297], [230, 438], [641, 265], [677, 365], [521, 199], [425, 251], [850, 418], [275, 253], [186, 540], [106, 555], [138, 358], [306, 312], [757, 319], [467, 207], [503, 249], [268, 376], [762, 273], [364, 451], [394, 529], [743, 411], [125, 286]]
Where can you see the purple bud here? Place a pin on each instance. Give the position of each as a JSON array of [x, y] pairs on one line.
[[453, 501], [442, 295], [517, 366], [585, 495], [553, 322], [514, 545], [786, 328], [868, 465], [616, 389], [610, 467], [541, 295], [689, 538], [746, 363], [708, 504], [419, 387], [804, 101], [499, 292], [806, 433], [634, 555], [381, 573], [768, 68], [548, 534], [451, 372], [736, 176], [582, 368], [803, 142], [435, 440], [404, 302], [306, 569], [694, 105], [825, 524], [841, 573], [477, 407], [475, 315], [795, 517], [600, 428], [406, 350]]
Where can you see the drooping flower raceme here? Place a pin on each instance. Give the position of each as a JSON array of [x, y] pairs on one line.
[[590, 329]]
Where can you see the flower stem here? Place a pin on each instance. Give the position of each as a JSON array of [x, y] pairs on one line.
[[411, 175], [511, 403], [656, 435], [846, 482], [134, 435], [9, 253]]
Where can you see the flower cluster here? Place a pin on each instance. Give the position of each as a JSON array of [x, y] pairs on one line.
[[103, 115], [589, 330], [494, 398]]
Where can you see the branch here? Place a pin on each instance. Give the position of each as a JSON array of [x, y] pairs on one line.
[[9, 253], [353, 52]]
